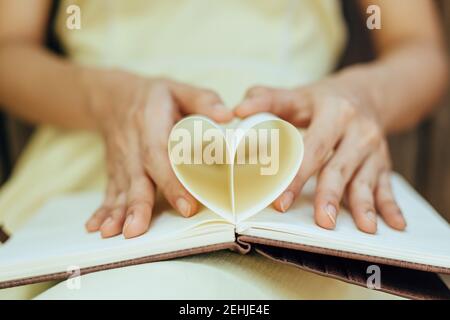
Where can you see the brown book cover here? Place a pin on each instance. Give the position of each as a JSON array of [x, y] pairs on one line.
[[407, 283], [125, 263], [414, 281], [344, 254]]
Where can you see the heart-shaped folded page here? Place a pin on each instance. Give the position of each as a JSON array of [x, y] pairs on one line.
[[239, 169]]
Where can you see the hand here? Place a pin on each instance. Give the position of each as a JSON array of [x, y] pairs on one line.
[[344, 144], [135, 116]]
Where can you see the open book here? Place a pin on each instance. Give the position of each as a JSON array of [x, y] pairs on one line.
[[54, 242]]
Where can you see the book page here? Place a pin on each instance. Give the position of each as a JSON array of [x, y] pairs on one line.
[[258, 183], [239, 168], [210, 183], [426, 239], [56, 239]]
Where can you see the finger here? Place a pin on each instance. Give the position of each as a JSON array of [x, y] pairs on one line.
[[117, 183], [320, 141], [112, 226], [132, 218], [361, 195], [123, 154], [140, 205], [292, 105], [156, 126], [172, 189], [334, 177], [257, 99], [386, 204], [100, 215], [193, 100]]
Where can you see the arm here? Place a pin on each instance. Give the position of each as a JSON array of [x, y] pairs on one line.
[[349, 113], [134, 114], [35, 84], [410, 74]]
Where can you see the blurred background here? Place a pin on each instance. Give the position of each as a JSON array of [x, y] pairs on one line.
[[421, 155]]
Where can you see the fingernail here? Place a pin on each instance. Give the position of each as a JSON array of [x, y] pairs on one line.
[[184, 207], [331, 212], [128, 221], [371, 216], [286, 200], [401, 218]]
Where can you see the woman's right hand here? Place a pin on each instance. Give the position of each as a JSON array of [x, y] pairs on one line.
[[135, 116]]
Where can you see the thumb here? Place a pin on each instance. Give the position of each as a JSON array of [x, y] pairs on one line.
[[202, 101], [257, 99], [291, 105]]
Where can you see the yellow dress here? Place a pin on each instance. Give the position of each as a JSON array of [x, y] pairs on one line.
[[225, 45]]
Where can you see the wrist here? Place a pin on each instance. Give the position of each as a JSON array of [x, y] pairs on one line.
[[364, 83], [105, 90]]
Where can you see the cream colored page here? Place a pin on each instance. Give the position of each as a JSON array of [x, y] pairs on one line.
[[56, 238], [255, 190], [234, 189], [426, 239], [209, 183]]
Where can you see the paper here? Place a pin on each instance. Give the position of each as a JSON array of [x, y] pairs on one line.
[[238, 170]]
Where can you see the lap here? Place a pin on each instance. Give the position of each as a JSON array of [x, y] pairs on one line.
[[218, 275], [221, 275]]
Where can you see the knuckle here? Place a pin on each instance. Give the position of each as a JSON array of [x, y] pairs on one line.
[[332, 170], [346, 171], [358, 184], [318, 150], [347, 109], [139, 201], [140, 183], [327, 192], [339, 171], [372, 134], [364, 205]]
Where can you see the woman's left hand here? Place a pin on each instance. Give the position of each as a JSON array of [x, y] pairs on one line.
[[344, 144]]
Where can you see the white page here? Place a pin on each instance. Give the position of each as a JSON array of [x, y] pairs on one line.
[[426, 239], [55, 238]]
